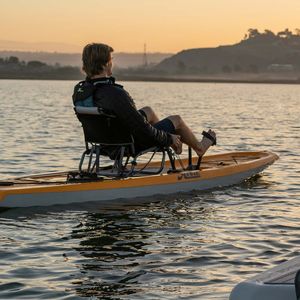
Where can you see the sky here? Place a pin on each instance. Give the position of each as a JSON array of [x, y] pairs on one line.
[[126, 25]]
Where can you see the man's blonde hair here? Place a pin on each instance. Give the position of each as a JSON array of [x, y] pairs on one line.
[[94, 58]]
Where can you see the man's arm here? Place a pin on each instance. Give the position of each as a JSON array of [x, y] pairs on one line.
[[142, 130]]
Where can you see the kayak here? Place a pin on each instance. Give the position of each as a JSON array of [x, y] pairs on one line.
[[215, 171], [274, 284]]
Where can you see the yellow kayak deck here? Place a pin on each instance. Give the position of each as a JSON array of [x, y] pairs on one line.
[[215, 171]]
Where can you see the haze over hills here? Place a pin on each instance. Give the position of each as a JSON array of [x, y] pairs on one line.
[[121, 60], [70, 55], [39, 46]]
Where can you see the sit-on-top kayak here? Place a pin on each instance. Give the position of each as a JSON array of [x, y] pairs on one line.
[[215, 171]]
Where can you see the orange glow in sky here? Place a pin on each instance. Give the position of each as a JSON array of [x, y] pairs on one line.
[[164, 25]]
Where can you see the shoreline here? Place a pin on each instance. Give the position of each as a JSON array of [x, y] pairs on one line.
[[209, 79], [168, 79]]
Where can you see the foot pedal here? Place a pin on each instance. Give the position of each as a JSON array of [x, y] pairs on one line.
[[207, 135]]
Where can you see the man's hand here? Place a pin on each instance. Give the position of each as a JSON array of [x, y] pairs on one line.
[[176, 143]]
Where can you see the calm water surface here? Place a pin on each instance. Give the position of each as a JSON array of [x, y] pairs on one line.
[[185, 246]]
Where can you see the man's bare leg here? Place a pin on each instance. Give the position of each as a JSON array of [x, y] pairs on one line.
[[187, 136], [151, 116], [153, 119]]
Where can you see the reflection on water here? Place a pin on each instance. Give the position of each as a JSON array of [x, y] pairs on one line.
[[188, 246], [126, 251], [111, 244]]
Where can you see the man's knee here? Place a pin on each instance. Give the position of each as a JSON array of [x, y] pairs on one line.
[[147, 109], [176, 120]]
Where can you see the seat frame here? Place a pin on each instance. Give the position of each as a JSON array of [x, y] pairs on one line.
[[124, 150]]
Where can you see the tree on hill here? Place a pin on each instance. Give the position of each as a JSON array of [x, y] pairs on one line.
[[254, 34], [269, 33], [36, 64], [12, 67], [285, 34], [13, 60]]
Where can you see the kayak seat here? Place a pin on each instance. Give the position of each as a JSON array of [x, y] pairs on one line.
[[105, 135]]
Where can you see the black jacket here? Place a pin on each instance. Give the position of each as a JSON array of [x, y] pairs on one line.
[[111, 96]]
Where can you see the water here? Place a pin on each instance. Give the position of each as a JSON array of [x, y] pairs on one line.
[[191, 246]]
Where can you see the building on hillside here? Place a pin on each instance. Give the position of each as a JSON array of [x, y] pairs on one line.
[[281, 67]]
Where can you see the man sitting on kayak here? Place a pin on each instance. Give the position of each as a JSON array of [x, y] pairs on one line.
[[99, 89]]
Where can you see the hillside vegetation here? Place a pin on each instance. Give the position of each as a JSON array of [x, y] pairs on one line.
[[13, 68]]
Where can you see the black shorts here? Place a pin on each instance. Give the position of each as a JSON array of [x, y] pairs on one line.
[[164, 125]]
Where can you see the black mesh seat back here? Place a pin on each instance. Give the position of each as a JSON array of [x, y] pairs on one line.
[[103, 129]]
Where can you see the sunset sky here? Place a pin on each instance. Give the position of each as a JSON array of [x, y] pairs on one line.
[[164, 25]]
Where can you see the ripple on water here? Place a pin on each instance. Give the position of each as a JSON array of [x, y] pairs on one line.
[[191, 246]]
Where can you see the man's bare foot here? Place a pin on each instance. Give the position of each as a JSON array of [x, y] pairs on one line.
[[205, 143]]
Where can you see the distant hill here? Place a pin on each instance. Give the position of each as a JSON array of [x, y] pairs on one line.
[[257, 52], [121, 59]]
